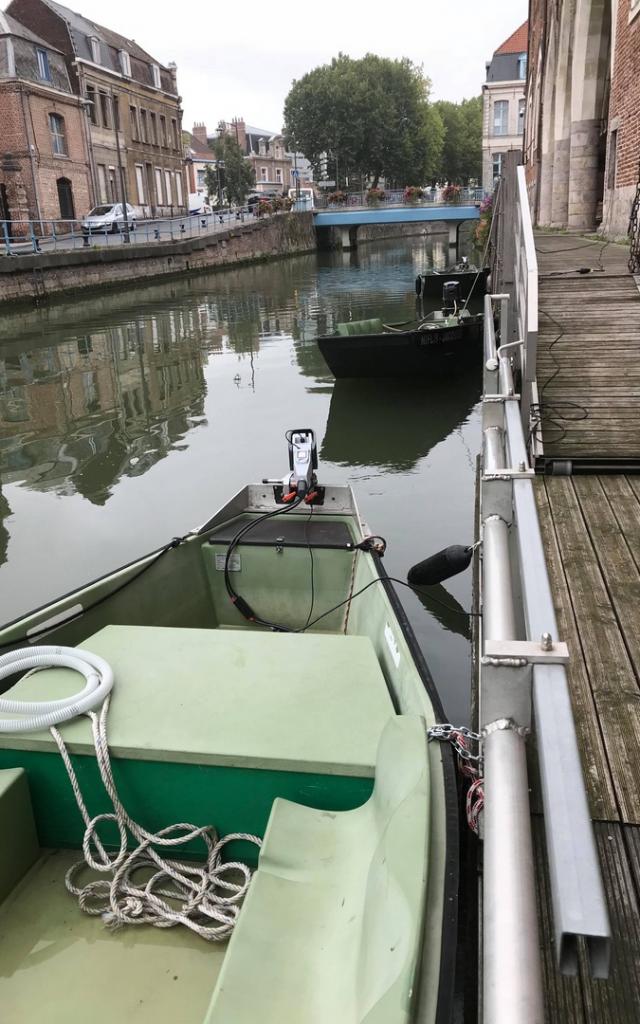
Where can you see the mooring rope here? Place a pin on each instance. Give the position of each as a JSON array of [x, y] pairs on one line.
[[204, 897]]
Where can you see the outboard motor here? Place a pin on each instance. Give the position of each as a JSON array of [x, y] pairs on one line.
[[450, 297]]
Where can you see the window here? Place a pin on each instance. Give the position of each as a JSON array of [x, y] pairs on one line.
[[44, 71], [163, 130], [140, 184], [178, 188], [95, 49], [263, 174], [174, 133], [133, 121], [521, 107], [522, 66], [154, 129], [167, 188], [144, 137], [105, 110], [125, 63], [200, 178], [496, 165], [91, 97], [158, 186], [116, 112], [501, 117], [155, 72], [612, 160], [102, 183], [279, 175], [113, 188], [58, 139]]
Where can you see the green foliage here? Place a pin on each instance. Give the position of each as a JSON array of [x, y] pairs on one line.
[[372, 116], [236, 175], [211, 183], [462, 150]]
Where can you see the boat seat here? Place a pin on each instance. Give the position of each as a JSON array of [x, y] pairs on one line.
[[347, 330], [331, 928], [209, 726]]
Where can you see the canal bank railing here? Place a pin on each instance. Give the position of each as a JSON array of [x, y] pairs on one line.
[[522, 681], [25, 237]]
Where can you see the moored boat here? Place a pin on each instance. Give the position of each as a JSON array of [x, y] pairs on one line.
[[266, 687], [435, 345]]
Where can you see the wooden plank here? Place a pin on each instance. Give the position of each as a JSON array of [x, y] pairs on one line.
[[617, 1000], [598, 779], [563, 998], [611, 676]]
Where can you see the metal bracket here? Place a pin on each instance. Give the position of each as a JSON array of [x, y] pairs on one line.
[[510, 474], [502, 398], [525, 652]]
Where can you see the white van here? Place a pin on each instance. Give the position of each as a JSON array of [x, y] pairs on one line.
[[306, 198]]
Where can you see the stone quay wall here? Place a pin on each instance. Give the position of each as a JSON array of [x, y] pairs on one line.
[[34, 278]]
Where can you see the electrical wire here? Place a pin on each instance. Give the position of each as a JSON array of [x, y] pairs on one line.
[[243, 607]]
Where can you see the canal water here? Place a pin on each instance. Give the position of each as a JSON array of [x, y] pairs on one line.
[[126, 419]]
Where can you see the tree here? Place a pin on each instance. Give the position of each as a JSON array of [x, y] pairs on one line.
[[371, 116], [236, 174], [462, 150]]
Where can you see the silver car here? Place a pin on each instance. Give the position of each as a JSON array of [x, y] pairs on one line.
[[109, 218]]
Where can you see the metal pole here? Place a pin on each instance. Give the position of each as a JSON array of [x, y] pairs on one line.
[[497, 607], [512, 980]]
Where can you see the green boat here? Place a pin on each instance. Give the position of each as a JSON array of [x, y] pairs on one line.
[[255, 680]]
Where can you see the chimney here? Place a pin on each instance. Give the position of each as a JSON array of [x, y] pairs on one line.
[[199, 132], [173, 71], [239, 129]]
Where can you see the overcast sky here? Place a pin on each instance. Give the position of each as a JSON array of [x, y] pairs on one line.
[[239, 59]]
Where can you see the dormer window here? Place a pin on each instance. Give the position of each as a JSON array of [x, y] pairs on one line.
[[155, 71], [95, 49], [522, 66], [125, 63], [44, 71]]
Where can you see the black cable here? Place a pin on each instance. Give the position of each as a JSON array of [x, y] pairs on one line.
[[243, 606], [310, 548], [381, 579], [29, 638]]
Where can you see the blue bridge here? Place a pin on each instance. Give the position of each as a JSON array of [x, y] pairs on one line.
[[349, 220]]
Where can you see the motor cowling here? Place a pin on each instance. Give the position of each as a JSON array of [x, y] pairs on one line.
[[450, 296]]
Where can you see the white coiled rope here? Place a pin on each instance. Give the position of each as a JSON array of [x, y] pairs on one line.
[[204, 897]]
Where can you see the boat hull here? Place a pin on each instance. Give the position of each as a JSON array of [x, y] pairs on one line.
[[436, 353], [430, 285]]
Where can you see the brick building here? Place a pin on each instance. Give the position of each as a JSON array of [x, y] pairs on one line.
[[135, 118], [274, 166], [582, 138], [503, 102], [44, 153]]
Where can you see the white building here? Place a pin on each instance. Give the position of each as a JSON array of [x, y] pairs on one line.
[[503, 96]]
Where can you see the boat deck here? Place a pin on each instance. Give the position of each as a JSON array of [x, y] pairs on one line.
[[591, 533], [588, 362]]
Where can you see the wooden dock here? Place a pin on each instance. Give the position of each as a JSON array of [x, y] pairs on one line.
[[588, 352], [591, 532]]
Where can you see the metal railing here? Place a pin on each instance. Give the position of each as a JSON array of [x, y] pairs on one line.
[[525, 295], [523, 679], [25, 237], [396, 197]]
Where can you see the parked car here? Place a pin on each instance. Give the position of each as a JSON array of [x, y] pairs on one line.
[[199, 204], [109, 218]]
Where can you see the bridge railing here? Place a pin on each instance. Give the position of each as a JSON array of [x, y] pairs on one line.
[[396, 197], [523, 685]]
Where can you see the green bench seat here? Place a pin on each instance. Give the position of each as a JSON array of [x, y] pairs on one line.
[[210, 726], [332, 925], [353, 327]]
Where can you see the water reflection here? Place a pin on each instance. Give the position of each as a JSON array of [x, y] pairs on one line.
[[393, 424], [78, 415]]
